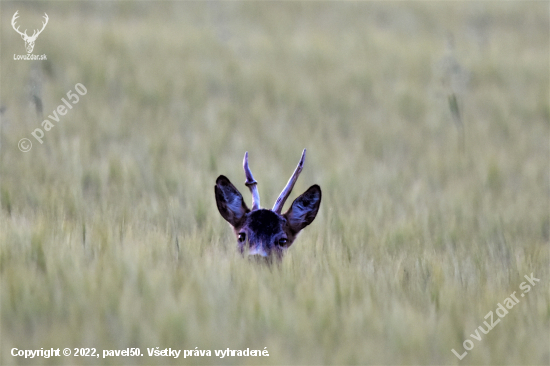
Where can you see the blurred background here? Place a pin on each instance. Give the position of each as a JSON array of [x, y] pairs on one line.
[[426, 126]]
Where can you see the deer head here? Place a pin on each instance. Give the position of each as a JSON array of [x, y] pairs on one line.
[[29, 41], [263, 232]]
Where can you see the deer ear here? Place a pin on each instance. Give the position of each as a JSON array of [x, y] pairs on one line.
[[230, 201], [304, 209]]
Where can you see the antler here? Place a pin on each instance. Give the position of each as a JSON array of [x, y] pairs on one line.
[[34, 35], [251, 184], [13, 21], [277, 208]]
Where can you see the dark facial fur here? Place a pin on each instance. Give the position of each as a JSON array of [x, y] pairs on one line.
[[266, 234]]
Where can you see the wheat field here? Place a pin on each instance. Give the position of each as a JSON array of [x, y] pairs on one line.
[[426, 125]]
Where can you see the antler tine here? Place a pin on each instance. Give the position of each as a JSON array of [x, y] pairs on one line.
[[278, 207], [14, 18], [13, 21], [43, 24], [251, 184]]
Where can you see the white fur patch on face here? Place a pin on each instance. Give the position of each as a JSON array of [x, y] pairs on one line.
[[257, 251]]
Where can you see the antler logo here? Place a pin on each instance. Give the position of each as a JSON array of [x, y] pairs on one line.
[[29, 41]]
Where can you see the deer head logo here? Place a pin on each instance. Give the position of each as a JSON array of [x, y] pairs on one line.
[[29, 41], [262, 232]]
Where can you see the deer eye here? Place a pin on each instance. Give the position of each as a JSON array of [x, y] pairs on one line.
[[242, 237], [283, 241]]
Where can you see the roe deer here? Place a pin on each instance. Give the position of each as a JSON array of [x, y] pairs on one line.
[[266, 233]]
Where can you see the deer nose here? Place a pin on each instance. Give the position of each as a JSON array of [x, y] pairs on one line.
[[257, 250]]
